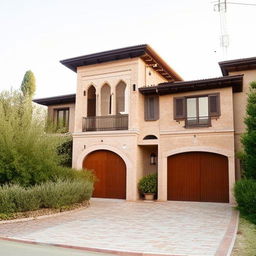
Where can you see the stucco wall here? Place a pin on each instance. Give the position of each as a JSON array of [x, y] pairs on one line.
[[123, 143], [239, 104], [172, 136]]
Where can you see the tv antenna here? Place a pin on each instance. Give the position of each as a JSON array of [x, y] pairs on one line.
[[221, 7]]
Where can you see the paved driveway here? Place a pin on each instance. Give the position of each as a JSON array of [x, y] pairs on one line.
[[170, 228]]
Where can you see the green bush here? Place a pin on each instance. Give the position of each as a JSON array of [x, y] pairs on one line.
[[148, 184], [14, 198], [65, 151], [245, 194], [248, 139], [28, 155], [24, 199]]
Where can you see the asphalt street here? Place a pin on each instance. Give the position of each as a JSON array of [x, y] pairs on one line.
[[8, 248]]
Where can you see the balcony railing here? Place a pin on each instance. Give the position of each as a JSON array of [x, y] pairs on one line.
[[198, 121], [105, 123]]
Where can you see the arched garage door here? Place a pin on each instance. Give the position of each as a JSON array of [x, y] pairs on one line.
[[198, 176], [110, 170]]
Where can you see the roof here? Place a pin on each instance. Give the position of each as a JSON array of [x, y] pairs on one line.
[[237, 65], [204, 84], [63, 99], [144, 51]]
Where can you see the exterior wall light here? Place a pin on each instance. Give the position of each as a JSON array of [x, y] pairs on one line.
[[153, 159]]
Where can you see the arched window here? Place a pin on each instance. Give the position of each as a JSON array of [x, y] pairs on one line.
[[150, 137], [105, 100], [120, 98], [91, 101]]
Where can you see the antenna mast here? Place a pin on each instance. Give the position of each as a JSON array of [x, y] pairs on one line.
[[221, 7]]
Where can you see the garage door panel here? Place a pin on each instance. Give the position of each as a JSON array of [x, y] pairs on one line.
[[95, 162], [198, 176], [115, 184], [110, 171], [183, 178], [214, 178]]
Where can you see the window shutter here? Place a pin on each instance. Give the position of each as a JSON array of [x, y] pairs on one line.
[[151, 108], [214, 105], [179, 108]]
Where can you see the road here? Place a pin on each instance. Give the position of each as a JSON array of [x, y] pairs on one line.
[[8, 248]]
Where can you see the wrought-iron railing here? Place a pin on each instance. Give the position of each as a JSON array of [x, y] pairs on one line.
[[198, 121], [105, 123]]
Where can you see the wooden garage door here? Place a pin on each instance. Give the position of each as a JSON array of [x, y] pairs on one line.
[[198, 176], [110, 171]]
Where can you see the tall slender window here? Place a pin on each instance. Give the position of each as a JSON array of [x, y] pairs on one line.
[[105, 100], [91, 101], [120, 98]]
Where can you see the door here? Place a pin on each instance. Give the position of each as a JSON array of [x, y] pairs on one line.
[[198, 176], [110, 171]]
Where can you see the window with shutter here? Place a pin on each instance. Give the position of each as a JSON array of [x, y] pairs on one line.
[[151, 108], [214, 105], [197, 110], [179, 108]]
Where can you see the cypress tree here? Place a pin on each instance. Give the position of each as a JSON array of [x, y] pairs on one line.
[[249, 137], [28, 85]]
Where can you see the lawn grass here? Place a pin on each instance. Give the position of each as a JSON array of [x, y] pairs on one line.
[[245, 244]]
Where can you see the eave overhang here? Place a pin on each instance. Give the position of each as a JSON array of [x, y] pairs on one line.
[[145, 52], [236, 82], [56, 100], [237, 65]]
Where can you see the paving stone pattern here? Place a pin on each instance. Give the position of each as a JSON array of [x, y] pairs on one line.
[[177, 228]]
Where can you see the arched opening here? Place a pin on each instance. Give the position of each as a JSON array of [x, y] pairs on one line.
[[120, 98], [105, 100], [91, 101], [198, 176], [110, 170], [150, 137]]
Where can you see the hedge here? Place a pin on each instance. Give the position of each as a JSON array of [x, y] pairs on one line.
[[245, 193], [15, 198]]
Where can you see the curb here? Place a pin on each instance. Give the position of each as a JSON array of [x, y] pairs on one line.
[[228, 241], [88, 249]]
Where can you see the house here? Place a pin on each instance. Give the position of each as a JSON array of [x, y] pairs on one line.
[[132, 115]]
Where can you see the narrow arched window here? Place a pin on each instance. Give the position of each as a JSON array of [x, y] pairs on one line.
[[105, 100], [91, 101], [120, 98]]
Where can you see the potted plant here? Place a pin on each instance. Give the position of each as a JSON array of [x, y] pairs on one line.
[[148, 186]]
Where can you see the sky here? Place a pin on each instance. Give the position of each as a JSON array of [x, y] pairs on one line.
[[37, 34]]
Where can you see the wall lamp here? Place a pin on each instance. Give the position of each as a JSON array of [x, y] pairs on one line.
[[153, 159]]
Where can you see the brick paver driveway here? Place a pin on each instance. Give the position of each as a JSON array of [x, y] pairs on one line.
[[169, 228]]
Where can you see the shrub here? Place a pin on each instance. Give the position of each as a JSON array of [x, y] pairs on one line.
[[14, 198], [28, 155], [65, 151], [63, 193], [245, 193], [148, 184], [24, 199]]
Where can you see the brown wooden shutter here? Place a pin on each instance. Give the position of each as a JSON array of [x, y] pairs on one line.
[[214, 105], [151, 108], [179, 108]]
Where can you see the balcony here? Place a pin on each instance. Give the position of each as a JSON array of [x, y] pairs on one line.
[[105, 123], [198, 121]]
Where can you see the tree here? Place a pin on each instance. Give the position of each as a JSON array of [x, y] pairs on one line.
[[249, 137], [28, 85], [28, 155]]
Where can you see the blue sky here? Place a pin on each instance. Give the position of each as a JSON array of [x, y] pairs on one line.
[[37, 34]]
